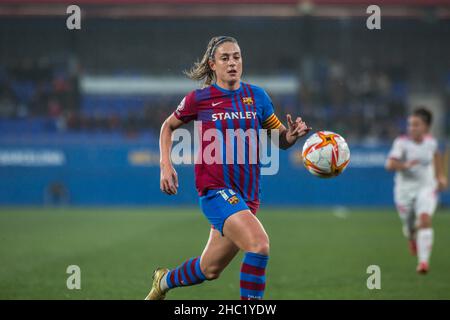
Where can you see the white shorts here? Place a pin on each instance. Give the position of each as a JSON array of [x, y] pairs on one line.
[[410, 205]]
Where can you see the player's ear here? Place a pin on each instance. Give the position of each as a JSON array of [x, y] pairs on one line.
[[212, 64]]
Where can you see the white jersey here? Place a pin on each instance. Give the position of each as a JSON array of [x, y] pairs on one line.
[[421, 175]]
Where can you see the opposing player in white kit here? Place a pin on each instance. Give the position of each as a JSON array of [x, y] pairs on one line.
[[419, 177]]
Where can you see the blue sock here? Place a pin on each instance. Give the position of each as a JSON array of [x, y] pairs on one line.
[[187, 274], [253, 276]]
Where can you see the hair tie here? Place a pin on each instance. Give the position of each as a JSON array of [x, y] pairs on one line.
[[219, 41]]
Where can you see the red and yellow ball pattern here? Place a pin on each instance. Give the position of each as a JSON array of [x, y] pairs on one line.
[[326, 154]]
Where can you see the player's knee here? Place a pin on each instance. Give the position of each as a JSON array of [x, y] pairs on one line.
[[424, 221], [260, 246]]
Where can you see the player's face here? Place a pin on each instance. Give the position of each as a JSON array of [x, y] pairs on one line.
[[227, 63], [417, 128]]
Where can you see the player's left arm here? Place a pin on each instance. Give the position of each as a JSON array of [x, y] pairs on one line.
[[439, 167], [286, 136], [295, 130]]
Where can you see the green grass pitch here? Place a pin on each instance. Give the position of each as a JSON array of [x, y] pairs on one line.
[[314, 254]]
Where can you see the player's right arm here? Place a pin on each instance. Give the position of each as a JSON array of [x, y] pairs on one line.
[[169, 177], [394, 162], [185, 112], [398, 165]]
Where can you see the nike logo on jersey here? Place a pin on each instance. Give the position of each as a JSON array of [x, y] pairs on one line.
[[216, 104], [234, 115]]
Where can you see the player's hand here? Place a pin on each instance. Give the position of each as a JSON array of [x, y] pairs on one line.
[[169, 179], [442, 183], [296, 129]]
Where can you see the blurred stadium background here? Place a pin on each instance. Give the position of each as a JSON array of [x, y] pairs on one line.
[[80, 112]]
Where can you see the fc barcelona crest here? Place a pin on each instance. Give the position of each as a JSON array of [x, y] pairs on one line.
[[233, 200], [247, 100]]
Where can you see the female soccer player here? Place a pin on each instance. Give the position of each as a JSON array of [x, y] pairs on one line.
[[229, 193], [419, 177]]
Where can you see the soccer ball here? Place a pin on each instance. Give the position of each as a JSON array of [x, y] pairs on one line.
[[325, 154]]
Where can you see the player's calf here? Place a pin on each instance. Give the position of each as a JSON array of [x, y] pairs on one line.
[[412, 244], [212, 272], [187, 274], [424, 242]]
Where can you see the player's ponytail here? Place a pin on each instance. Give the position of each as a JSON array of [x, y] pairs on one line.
[[201, 69]]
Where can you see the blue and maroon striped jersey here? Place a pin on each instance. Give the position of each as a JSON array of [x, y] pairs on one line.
[[248, 107]]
